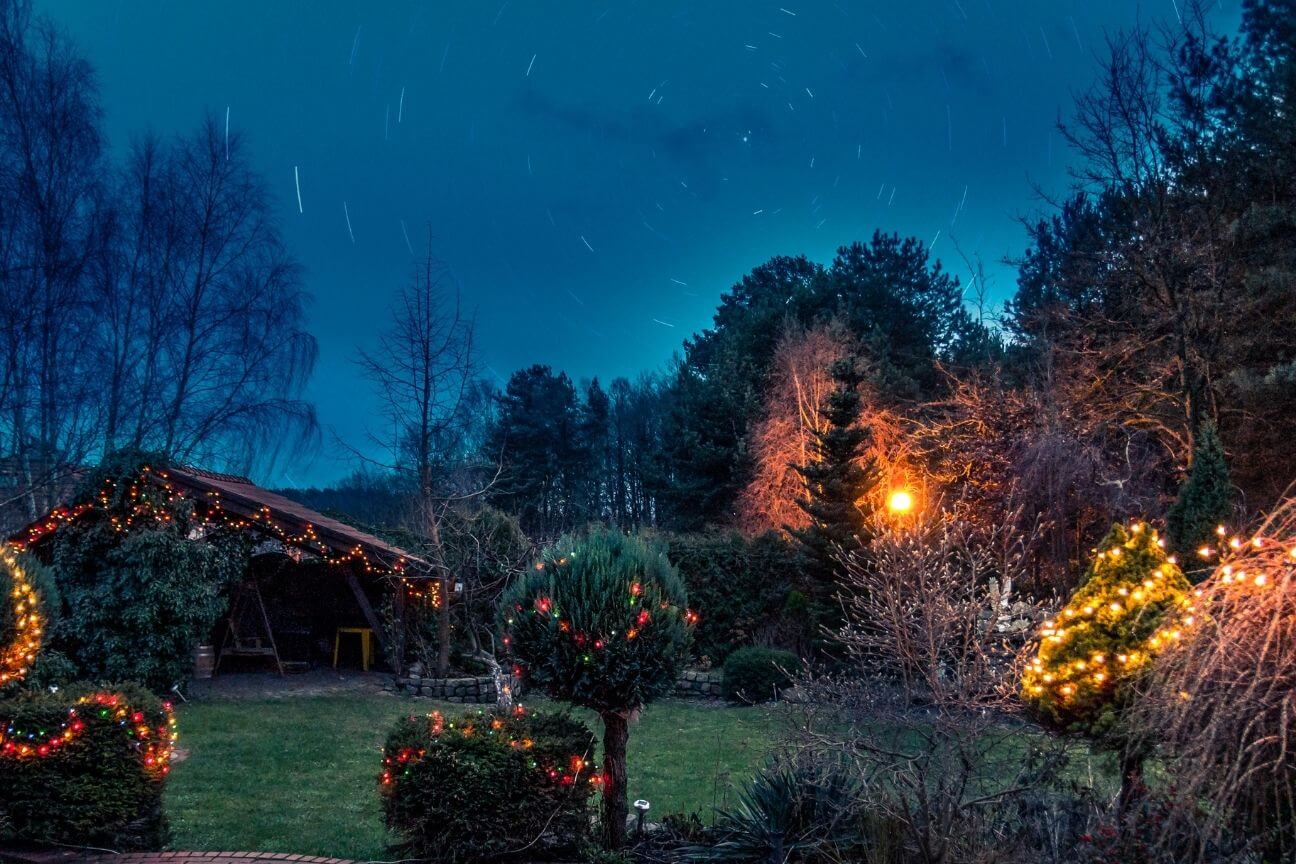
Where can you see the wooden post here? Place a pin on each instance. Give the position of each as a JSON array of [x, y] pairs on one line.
[[398, 637], [367, 609]]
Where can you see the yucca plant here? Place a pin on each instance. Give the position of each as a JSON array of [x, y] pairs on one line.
[[808, 811]]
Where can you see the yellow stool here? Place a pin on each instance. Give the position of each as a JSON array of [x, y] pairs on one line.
[[366, 644]]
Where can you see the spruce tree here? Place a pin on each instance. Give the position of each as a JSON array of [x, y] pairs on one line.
[[1129, 607], [838, 478], [1204, 501]]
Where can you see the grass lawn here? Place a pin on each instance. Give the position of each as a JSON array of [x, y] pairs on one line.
[[300, 774]]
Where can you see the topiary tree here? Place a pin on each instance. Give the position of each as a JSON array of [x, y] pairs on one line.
[[1126, 611], [601, 622], [1204, 502]]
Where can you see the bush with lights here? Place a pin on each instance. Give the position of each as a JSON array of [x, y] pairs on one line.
[[489, 783], [85, 767], [78, 766], [601, 622], [1131, 605]]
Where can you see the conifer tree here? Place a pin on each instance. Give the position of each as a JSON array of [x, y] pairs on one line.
[[1129, 607], [837, 479], [1204, 500]]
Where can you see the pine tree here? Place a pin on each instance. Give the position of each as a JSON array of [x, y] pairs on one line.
[[1203, 502], [1127, 609], [837, 479]]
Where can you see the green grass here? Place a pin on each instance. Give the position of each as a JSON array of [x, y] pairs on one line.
[[299, 774]]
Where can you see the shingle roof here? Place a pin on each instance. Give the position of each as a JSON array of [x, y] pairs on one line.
[[242, 497], [239, 501]]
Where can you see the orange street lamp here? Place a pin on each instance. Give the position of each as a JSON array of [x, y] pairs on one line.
[[900, 502]]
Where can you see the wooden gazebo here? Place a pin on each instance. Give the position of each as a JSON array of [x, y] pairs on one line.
[[281, 526]]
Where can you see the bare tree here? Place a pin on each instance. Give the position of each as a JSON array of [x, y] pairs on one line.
[[151, 307], [423, 371], [924, 713], [50, 162]]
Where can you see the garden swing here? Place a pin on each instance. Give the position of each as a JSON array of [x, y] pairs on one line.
[[242, 636]]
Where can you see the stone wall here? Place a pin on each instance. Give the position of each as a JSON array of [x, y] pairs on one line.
[[693, 684], [469, 691], [696, 684]]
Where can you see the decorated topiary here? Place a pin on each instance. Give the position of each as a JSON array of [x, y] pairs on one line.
[[601, 622], [1129, 607]]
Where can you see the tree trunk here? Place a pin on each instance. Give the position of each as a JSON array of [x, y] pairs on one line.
[[616, 732], [1131, 769], [443, 630]]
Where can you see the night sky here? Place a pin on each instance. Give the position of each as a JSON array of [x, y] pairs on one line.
[[597, 174]]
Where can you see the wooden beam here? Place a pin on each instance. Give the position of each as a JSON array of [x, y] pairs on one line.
[[367, 609], [398, 608]]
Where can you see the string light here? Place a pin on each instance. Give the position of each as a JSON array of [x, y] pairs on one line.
[[503, 728], [145, 507], [28, 626], [154, 738]]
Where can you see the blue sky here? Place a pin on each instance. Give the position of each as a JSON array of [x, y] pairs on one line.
[[597, 174]]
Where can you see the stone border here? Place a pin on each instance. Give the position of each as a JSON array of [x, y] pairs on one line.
[[468, 691], [699, 684]]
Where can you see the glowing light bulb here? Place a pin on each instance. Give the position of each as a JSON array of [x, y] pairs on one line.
[[900, 502]]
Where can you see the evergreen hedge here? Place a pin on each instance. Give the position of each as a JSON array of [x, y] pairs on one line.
[[485, 784], [741, 587], [100, 787]]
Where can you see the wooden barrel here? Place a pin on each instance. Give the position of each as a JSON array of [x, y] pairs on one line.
[[204, 661]]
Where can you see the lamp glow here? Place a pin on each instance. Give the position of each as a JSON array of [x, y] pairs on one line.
[[900, 502]]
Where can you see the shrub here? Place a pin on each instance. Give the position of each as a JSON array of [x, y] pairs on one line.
[[601, 622], [1126, 611], [742, 588], [485, 784], [758, 674], [85, 767], [137, 601], [1204, 502], [809, 812]]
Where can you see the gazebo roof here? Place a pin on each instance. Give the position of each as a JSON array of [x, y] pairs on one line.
[[238, 501], [239, 496]]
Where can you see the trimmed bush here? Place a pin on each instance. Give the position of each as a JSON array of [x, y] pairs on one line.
[[85, 767], [488, 783], [758, 674]]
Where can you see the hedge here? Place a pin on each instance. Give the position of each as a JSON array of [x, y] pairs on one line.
[[743, 588], [488, 783], [85, 767]]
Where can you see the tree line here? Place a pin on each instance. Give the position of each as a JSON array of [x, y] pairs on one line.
[[146, 301], [149, 303], [1153, 309]]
